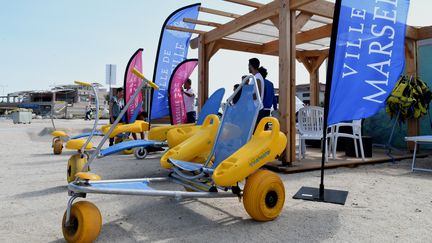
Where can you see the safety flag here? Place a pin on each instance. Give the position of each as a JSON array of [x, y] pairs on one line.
[[368, 57], [131, 83], [172, 50], [176, 95]]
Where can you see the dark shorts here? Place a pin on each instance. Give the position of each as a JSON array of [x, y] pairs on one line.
[[191, 117], [111, 140]]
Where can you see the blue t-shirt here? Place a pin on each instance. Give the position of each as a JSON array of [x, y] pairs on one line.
[[269, 94]]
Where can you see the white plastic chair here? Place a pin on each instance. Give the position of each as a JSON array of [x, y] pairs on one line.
[[356, 135], [310, 126]]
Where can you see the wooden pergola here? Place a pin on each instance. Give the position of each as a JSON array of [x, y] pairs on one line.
[[290, 29]]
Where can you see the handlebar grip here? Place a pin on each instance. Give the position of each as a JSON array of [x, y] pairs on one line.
[[83, 83], [141, 76]]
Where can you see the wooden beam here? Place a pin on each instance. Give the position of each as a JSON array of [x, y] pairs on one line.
[[194, 43], [301, 20], [313, 53], [170, 27], [312, 61], [239, 46], [210, 50], [411, 33], [314, 34], [275, 21], [295, 4], [286, 47], [244, 21], [303, 37], [319, 7], [201, 22], [246, 3], [424, 33], [314, 88], [203, 72], [219, 12]]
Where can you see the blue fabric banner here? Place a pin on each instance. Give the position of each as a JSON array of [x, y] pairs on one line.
[[173, 49], [369, 57]]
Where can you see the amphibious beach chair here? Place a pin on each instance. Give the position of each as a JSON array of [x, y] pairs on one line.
[[85, 153], [121, 132], [236, 156]]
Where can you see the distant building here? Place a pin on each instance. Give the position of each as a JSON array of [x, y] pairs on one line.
[[66, 100], [303, 93]]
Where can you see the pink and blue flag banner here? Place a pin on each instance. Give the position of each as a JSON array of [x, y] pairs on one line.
[[176, 100], [131, 83], [172, 50], [369, 57]]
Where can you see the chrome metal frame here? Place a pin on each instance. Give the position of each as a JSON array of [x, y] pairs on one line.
[[80, 188]]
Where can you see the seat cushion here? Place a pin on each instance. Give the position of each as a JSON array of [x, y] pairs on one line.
[[77, 144]]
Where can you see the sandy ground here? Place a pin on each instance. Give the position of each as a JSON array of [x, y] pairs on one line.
[[386, 202]]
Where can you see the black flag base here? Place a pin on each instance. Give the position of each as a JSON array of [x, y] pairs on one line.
[[327, 195]]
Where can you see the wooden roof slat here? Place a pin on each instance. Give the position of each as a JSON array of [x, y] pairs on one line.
[[243, 21], [201, 22], [170, 27], [294, 4], [246, 3], [219, 12]]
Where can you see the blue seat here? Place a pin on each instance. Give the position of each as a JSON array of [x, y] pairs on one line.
[[211, 106], [235, 130]]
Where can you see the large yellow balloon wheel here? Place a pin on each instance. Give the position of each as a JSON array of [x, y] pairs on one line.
[[84, 224], [263, 195], [58, 146], [75, 165]]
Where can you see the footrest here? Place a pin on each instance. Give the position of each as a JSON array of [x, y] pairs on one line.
[[187, 166], [129, 145], [138, 185]]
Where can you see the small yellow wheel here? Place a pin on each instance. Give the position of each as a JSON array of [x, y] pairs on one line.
[[84, 224], [58, 146], [75, 165], [128, 151], [263, 195]]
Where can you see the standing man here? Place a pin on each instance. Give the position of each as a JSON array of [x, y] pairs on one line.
[[189, 99], [115, 107], [254, 65]]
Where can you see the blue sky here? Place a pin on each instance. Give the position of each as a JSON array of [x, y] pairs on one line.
[[49, 42]]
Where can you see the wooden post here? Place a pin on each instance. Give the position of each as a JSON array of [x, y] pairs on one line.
[[411, 69], [287, 79], [314, 87], [203, 72], [312, 64]]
